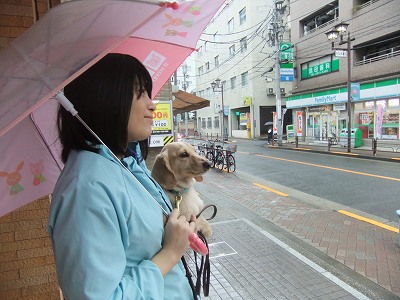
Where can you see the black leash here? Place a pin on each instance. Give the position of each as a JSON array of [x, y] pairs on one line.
[[204, 268]]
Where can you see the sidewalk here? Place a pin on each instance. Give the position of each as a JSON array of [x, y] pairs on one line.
[[384, 152], [266, 246]]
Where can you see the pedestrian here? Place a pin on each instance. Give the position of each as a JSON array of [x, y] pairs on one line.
[[110, 238]]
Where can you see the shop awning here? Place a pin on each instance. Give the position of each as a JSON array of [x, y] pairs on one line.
[[185, 102]]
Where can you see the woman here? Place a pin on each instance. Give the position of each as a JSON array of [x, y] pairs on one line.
[[109, 236]]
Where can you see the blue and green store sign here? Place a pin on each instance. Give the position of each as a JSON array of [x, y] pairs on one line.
[[368, 91]]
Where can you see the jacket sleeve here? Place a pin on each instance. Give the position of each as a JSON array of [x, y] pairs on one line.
[[89, 235]]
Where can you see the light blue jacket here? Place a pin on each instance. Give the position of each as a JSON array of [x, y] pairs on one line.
[[105, 228]]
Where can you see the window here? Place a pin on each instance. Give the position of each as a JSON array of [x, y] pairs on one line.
[[231, 25], [200, 51], [207, 66], [216, 61], [322, 19], [209, 122], [205, 47], [203, 122], [208, 92], [232, 50], [243, 44], [245, 78], [216, 122], [233, 83], [242, 16], [201, 72]]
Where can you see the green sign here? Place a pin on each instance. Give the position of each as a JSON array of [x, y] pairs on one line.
[[320, 69], [286, 51]]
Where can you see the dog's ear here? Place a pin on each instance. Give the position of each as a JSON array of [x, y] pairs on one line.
[[162, 173], [199, 178]]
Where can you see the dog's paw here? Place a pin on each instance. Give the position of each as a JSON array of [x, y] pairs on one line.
[[203, 226], [207, 232]]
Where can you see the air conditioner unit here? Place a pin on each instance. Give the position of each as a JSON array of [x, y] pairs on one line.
[[270, 91], [283, 91]]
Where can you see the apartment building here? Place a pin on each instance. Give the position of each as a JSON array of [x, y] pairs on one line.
[[319, 99], [235, 49]]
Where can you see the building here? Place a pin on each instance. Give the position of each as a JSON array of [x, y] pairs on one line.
[[235, 48], [319, 99]]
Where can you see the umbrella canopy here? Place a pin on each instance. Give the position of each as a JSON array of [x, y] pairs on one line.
[[64, 43], [269, 123]]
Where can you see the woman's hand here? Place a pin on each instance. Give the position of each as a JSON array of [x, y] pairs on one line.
[[177, 231], [176, 241]]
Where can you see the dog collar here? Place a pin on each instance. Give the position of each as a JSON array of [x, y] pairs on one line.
[[180, 192], [178, 196]]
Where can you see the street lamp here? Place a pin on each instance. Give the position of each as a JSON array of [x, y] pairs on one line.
[[338, 32], [218, 86]]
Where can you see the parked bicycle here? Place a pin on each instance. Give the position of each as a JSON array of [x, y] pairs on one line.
[[224, 158]]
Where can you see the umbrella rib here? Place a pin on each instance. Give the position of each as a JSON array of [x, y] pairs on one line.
[[45, 141]]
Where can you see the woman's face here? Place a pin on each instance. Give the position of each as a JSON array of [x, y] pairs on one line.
[[141, 117]]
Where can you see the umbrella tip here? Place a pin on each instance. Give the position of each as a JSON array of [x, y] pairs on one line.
[[174, 5]]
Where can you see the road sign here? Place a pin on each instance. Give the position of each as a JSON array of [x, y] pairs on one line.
[[340, 53], [287, 78], [287, 71]]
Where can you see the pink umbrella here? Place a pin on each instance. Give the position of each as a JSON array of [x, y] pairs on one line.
[[66, 41]]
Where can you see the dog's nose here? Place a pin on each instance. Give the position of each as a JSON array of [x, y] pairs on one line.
[[207, 165]]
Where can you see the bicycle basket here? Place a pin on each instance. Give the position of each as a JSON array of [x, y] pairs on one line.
[[231, 148]]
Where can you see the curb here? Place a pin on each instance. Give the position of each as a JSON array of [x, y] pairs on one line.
[[353, 154]]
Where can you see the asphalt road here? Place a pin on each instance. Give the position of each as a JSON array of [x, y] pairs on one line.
[[369, 186]]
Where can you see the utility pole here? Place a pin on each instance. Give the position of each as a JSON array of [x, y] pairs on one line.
[[275, 33], [185, 86]]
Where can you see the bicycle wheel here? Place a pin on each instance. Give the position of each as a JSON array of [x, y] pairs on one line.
[[211, 158], [220, 160], [231, 163]]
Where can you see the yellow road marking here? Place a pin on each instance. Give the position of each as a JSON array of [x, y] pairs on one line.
[[330, 168], [271, 190], [373, 222], [396, 158], [307, 149], [345, 153]]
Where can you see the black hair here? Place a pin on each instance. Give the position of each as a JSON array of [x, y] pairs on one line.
[[103, 97]]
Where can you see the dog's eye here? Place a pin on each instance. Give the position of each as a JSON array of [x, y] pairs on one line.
[[184, 154]]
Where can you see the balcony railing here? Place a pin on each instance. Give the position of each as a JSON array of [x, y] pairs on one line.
[[359, 7], [392, 52], [319, 27]]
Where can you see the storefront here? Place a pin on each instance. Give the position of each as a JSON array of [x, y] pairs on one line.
[[375, 112], [325, 121], [378, 118]]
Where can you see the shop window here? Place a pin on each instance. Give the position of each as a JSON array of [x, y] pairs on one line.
[[393, 102], [381, 103], [369, 104]]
